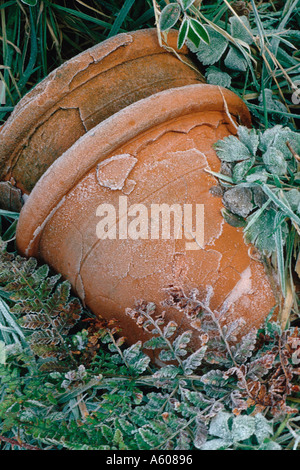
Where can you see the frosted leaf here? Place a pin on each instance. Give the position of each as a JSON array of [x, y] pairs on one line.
[[239, 29], [241, 169], [267, 138], [231, 149], [242, 428], [249, 138], [273, 104], [270, 446], [210, 53], [263, 429], [275, 161], [215, 76], [216, 444], [219, 426], [235, 60], [293, 198]]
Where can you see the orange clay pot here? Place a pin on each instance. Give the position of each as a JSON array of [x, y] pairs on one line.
[[83, 92], [156, 150]]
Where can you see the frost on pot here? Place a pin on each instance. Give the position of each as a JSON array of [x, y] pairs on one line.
[[128, 212], [83, 92]]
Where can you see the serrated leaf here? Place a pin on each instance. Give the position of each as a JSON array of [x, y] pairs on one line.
[[194, 360], [169, 16], [210, 54], [155, 343], [235, 60], [231, 149], [181, 342], [243, 427], [167, 372], [170, 329], [263, 428], [219, 426], [244, 349], [241, 29], [241, 169], [215, 76], [216, 444], [262, 232], [249, 138], [275, 161]]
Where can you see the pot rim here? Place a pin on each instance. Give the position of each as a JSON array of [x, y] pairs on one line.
[[109, 135], [38, 101]]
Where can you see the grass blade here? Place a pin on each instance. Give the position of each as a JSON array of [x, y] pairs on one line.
[[279, 203], [121, 17]]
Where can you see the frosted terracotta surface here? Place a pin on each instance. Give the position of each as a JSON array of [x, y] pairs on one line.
[[83, 92], [154, 152]]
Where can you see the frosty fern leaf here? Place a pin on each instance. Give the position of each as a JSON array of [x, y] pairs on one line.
[[43, 306]]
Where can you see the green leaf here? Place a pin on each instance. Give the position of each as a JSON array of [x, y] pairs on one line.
[[261, 233], [239, 29], [199, 30], [181, 342], [257, 174], [241, 169], [193, 39], [293, 198], [210, 54], [215, 76], [280, 204], [249, 137], [235, 60], [275, 161], [194, 360], [121, 17], [233, 219], [231, 149], [169, 16], [182, 34], [186, 3], [31, 3], [167, 372]]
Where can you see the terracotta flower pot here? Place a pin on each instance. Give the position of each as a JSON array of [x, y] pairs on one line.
[[155, 151], [83, 92]]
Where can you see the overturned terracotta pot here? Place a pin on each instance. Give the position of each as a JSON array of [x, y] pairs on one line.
[[83, 92], [154, 152]]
